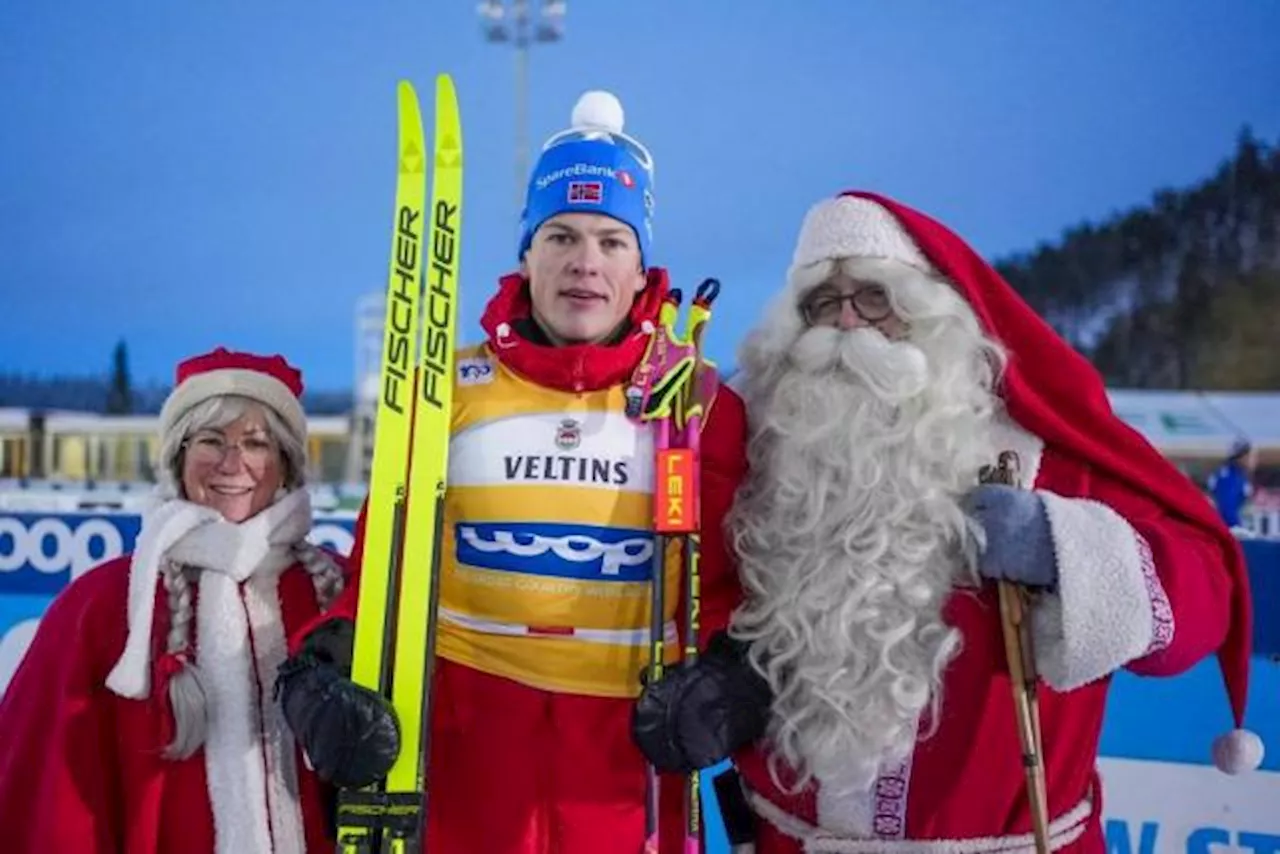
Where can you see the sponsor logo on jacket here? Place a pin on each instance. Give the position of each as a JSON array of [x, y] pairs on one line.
[[582, 552], [475, 371], [565, 468]]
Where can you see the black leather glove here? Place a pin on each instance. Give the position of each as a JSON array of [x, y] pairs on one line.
[[699, 714], [349, 733]]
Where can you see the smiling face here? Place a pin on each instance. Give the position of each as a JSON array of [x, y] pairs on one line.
[[235, 468], [584, 272]]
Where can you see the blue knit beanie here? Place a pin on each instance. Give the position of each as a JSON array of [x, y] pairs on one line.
[[592, 167]]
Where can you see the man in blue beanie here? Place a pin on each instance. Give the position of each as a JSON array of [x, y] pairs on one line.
[[548, 546], [587, 228]]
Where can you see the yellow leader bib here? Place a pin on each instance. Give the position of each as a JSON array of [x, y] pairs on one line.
[[548, 543]]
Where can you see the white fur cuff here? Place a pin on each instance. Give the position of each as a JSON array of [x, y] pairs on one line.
[[1103, 615]]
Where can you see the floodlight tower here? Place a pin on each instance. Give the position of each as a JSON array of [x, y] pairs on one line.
[[522, 23]]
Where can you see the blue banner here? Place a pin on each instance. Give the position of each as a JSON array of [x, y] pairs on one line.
[[41, 553]]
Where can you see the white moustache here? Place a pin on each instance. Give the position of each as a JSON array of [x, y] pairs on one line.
[[893, 370]]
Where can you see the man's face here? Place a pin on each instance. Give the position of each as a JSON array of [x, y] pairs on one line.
[[845, 303], [584, 272]]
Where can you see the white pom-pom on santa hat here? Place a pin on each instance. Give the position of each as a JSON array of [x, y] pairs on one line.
[[1238, 751], [598, 110]]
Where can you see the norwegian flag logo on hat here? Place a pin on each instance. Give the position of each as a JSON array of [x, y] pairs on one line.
[[586, 192]]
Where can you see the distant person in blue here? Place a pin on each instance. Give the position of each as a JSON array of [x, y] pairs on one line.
[[1230, 484]]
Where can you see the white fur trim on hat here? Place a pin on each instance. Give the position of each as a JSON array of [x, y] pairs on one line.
[[854, 227], [254, 385]]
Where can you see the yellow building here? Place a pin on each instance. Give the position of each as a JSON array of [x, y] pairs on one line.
[[15, 445], [84, 446], [88, 446]]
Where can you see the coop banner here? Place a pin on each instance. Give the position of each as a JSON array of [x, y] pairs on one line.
[[41, 553]]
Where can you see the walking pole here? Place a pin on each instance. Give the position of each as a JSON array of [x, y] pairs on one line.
[[1016, 626]]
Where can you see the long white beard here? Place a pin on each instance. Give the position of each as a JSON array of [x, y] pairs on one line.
[[851, 538]]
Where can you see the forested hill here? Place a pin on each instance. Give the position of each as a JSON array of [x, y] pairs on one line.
[[1183, 292]]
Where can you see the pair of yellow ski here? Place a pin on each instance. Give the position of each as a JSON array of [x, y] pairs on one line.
[[399, 568]]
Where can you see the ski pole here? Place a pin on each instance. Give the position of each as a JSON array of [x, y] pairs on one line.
[[653, 397], [657, 638], [697, 399], [660, 377], [672, 389]]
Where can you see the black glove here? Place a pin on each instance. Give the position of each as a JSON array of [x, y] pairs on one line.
[[349, 733], [699, 714]]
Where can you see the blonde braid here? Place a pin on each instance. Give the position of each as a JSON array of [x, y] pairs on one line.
[[326, 574]]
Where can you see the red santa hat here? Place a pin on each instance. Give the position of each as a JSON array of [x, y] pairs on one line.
[[1048, 388], [269, 380]]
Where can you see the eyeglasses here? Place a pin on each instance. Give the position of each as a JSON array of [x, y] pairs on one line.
[[210, 448], [870, 302]]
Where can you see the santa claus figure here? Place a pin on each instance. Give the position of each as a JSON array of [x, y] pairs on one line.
[[863, 688]]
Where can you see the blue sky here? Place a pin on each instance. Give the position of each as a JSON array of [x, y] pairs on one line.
[[183, 175]]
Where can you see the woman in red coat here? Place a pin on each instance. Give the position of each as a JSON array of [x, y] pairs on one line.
[[141, 719]]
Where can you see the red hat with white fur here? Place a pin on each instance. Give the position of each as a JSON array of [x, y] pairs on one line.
[[1048, 388], [269, 380]]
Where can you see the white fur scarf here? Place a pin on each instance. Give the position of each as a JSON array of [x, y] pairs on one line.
[[249, 765]]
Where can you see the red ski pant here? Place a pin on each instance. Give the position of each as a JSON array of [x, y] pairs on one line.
[[516, 770]]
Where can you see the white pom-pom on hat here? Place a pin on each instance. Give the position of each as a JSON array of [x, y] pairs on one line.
[[1238, 751], [598, 110]]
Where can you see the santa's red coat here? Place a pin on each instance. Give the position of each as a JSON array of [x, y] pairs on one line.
[[966, 781], [81, 768]]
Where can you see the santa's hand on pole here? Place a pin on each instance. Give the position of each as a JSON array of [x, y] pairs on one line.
[[1018, 552], [1018, 543]]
